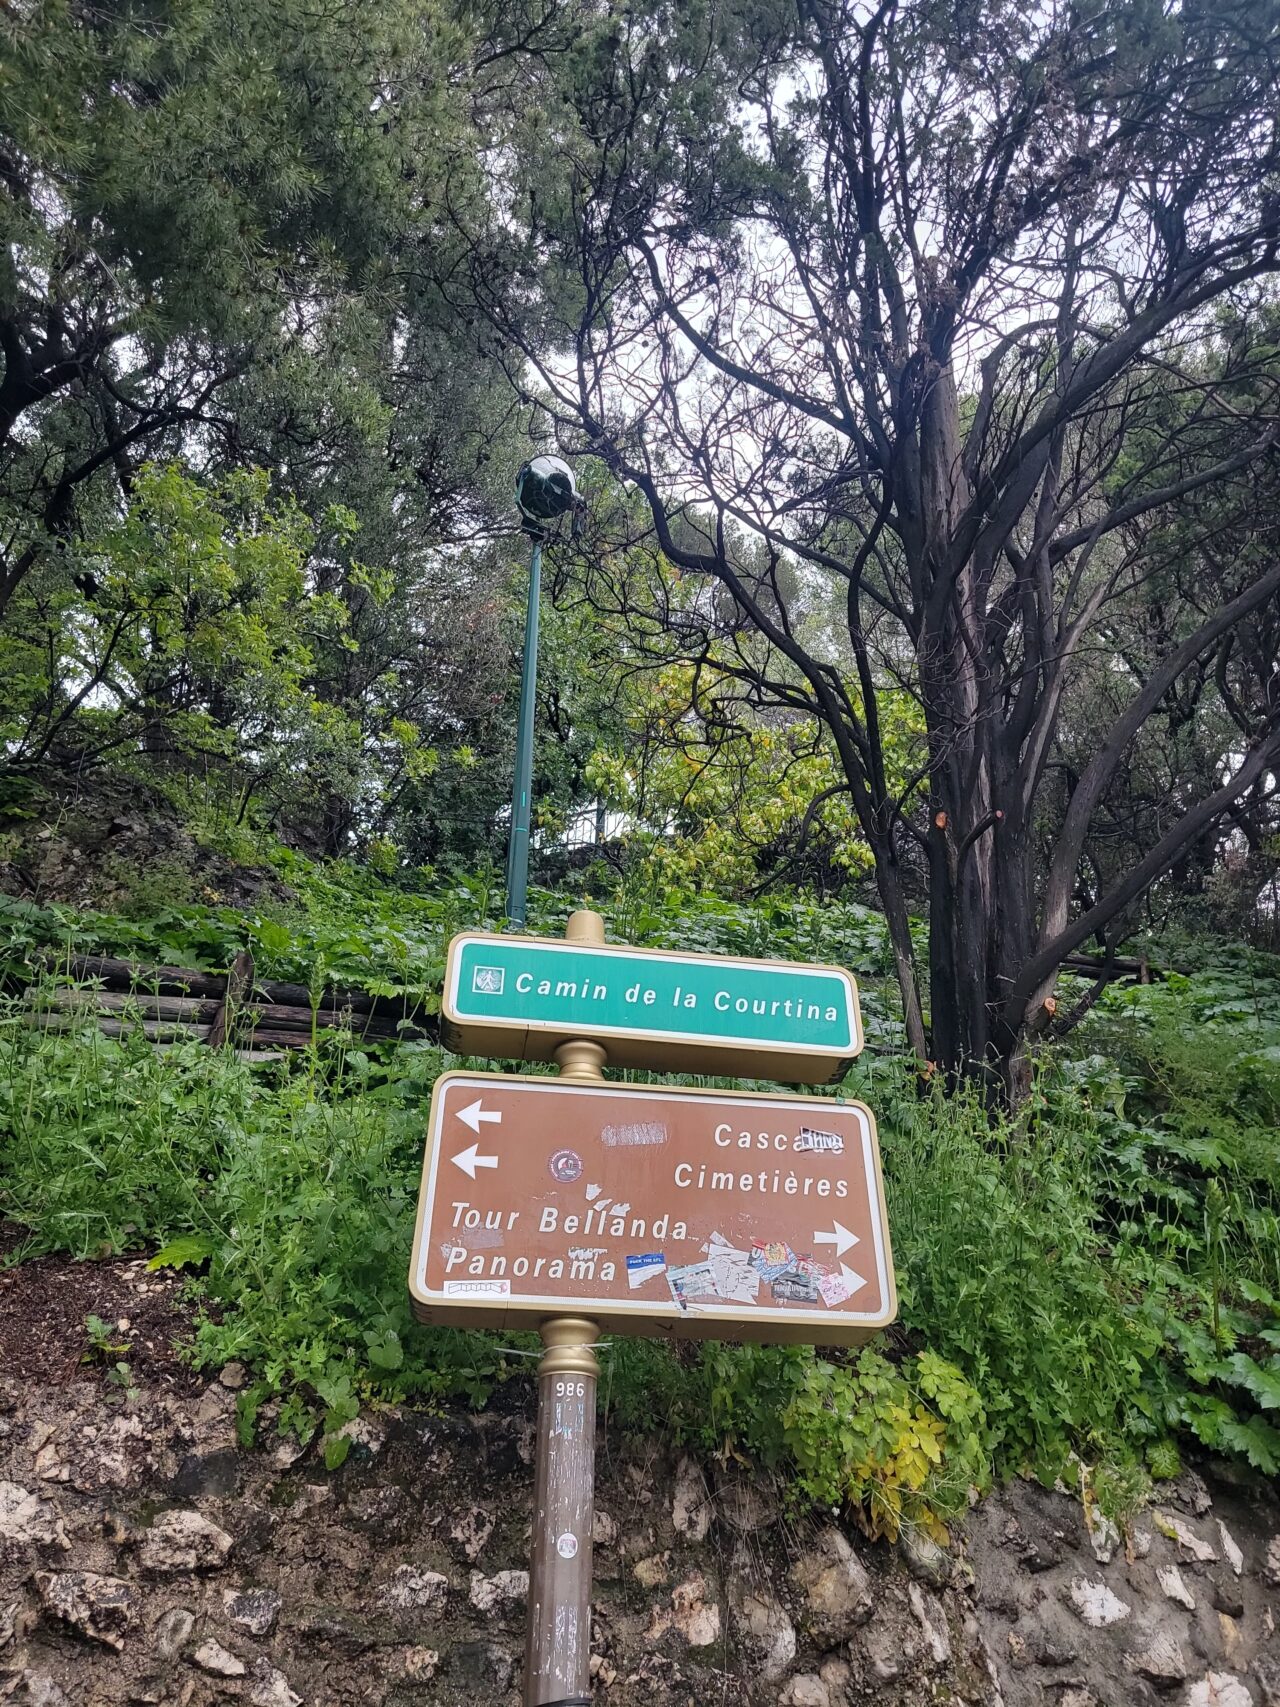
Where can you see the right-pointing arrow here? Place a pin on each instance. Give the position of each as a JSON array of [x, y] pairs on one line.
[[841, 1238], [851, 1278]]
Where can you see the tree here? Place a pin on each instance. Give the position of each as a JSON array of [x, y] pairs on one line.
[[224, 241], [924, 299]]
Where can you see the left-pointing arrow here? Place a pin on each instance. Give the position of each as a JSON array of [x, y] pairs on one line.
[[470, 1159], [473, 1114]]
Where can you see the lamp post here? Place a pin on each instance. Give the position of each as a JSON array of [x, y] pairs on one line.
[[545, 491]]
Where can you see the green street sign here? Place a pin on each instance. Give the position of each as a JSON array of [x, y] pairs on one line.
[[520, 998]]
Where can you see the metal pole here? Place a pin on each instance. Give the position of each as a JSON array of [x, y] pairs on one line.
[[558, 1639], [557, 1655], [518, 845]]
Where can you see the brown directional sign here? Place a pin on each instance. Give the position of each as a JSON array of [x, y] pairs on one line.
[[693, 1213]]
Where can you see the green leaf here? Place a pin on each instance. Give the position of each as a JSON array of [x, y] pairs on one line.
[[1263, 1383], [190, 1249]]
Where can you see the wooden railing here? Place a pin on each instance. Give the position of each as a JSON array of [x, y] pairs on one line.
[[172, 1004]]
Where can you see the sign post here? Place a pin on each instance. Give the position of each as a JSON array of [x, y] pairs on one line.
[[557, 1660], [557, 1655], [565, 1202]]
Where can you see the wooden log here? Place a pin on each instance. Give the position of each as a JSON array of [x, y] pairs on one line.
[[156, 1029], [300, 1033], [277, 1035], [1119, 966], [189, 1008], [329, 1019], [130, 974], [239, 984]]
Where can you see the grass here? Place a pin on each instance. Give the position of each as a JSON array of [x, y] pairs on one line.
[[1098, 1279]]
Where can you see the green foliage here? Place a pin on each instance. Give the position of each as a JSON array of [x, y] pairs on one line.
[[1096, 1278], [900, 1444]]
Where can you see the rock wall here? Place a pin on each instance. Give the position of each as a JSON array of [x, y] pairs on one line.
[[145, 1559]]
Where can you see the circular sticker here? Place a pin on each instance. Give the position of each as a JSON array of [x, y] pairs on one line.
[[567, 1545], [565, 1166]]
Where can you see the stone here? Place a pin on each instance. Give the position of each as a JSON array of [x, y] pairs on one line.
[[233, 1375], [253, 1609], [836, 1588], [883, 1648], [1178, 1529], [604, 1529], [41, 1691], [500, 1593], [366, 1434], [805, 1691], [208, 1475], [184, 1541], [218, 1661], [50, 1463], [694, 1616], [270, 1688], [1224, 1593], [1219, 1689], [411, 1589], [100, 1607], [418, 1664], [763, 1630], [26, 1519], [1095, 1603], [927, 1562], [1267, 1674], [1271, 1567], [1192, 1493], [1040, 1555], [933, 1623], [1230, 1550], [1049, 1652], [837, 1674], [472, 1531], [691, 1507], [287, 1454], [172, 1631], [600, 1671], [1161, 1661], [1104, 1537], [486, 1663], [653, 1571], [691, 1614], [747, 1504], [1171, 1582]]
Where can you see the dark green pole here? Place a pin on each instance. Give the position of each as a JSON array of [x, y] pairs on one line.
[[518, 846]]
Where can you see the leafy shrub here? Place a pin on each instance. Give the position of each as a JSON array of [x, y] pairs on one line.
[[1099, 1277]]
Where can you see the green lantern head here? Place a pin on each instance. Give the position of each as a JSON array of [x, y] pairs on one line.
[[545, 491]]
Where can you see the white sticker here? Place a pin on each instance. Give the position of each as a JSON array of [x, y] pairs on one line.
[[567, 1545], [477, 1289]]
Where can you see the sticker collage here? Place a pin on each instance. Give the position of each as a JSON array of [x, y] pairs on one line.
[[730, 1275]]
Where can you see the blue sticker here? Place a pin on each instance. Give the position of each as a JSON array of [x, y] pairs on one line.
[[644, 1267]]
